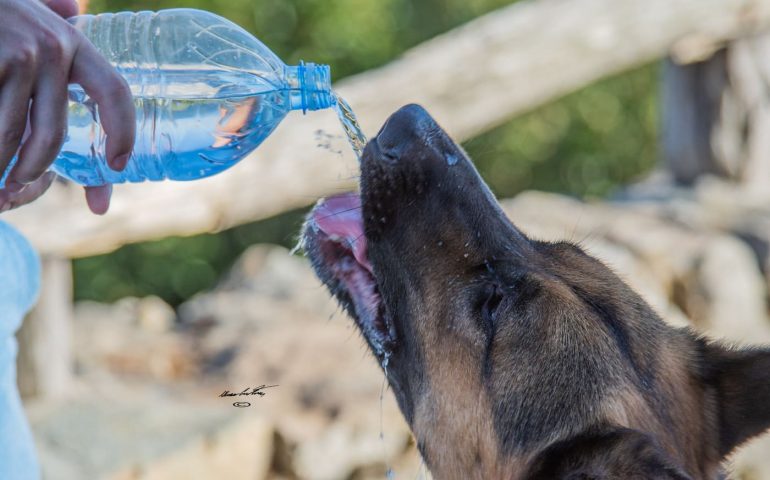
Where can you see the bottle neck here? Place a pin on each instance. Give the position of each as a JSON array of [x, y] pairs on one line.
[[310, 86]]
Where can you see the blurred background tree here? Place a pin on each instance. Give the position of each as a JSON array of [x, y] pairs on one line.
[[585, 144]]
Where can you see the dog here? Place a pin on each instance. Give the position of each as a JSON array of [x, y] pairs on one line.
[[512, 358]]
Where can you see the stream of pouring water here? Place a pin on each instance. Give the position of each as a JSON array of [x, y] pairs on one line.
[[357, 141], [350, 124]]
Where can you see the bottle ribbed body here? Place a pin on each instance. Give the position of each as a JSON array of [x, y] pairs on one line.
[[206, 93], [125, 40]]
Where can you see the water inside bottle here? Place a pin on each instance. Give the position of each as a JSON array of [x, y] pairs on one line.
[[190, 125], [186, 129], [350, 125]]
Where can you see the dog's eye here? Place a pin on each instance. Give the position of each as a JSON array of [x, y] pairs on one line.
[[492, 300]]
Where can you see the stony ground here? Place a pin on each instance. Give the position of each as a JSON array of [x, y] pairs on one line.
[[147, 402], [148, 405]]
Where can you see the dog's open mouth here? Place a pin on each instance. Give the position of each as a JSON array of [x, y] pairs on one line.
[[335, 241]]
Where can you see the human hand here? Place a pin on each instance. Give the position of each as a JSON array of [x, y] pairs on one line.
[[40, 54]]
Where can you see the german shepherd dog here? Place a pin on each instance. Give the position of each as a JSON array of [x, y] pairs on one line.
[[512, 358]]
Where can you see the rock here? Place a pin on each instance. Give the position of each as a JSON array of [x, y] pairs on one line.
[[269, 322], [751, 462], [265, 286], [342, 449], [122, 312], [713, 205], [242, 451], [154, 315], [131, 337], [328, 382], [135, 434], [725, 293]]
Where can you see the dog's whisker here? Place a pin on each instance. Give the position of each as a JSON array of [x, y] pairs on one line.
[[334, 214], [353, 242]]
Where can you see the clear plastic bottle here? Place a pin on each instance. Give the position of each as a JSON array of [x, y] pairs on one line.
[[206, 94]]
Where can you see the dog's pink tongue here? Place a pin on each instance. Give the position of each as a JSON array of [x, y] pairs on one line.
[[339, 217]]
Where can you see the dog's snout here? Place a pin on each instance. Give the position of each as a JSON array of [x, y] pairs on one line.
[[408, 123]]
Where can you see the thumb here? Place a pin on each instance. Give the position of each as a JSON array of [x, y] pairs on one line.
[[64, 8]]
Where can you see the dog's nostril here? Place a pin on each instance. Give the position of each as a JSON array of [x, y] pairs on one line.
[[390, 156], [381, 150], [388, 149]]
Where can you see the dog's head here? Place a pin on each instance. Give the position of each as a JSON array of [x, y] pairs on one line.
[[497, 347]]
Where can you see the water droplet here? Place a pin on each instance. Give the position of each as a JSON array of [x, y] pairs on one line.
[[385, 362], [298, 247], [440, 243], [451, 159], [466, 255]]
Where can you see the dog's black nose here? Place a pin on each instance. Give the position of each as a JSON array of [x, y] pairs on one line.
[[408, 123]]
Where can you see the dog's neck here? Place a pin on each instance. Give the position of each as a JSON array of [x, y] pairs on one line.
[[729, 405]]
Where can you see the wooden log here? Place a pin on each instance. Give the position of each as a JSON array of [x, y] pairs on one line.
[[471, 79], [690, 103], [716, 115], [45, 346]]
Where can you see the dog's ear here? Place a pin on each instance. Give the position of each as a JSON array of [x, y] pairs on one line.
[[741, 381], [608, 453]]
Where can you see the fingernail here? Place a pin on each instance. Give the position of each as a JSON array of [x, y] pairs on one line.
[[120, 162], [99, 199], [14, 187]]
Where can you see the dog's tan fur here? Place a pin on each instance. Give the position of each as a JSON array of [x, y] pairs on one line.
[[517, 359]]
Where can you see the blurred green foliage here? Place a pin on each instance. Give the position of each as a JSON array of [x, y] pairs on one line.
[[175, 268], [585, 144]]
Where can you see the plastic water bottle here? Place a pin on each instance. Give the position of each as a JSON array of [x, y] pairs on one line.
[[206, 94]]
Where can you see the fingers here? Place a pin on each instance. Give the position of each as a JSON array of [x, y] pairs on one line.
[[63, 8], [48, 122], [10, 200], [113, 97], [39, 54], [98, 198], [14, 104]]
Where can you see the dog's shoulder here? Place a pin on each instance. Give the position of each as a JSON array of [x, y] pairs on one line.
[[605, 453]]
